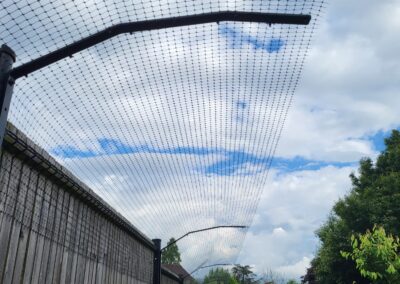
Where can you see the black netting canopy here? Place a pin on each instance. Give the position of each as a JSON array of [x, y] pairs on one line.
[[176, 128]]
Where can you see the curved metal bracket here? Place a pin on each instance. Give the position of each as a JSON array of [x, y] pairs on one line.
[[202, 230], [69, 50]]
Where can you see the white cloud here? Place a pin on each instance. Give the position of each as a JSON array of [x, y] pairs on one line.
[[296, 269], [349, 87], [292, 207]]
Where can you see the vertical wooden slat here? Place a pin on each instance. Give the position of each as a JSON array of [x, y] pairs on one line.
[[17, 214], [49, 231], [87, 243], [30, 257], [63, 221], [67, 250], [80, 270], [76, 248], [44, 216], [26, 227], [102, 250], [57, 205], [8, 209], [95, 235]]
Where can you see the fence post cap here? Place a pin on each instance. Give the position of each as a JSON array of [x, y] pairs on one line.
[[6, 49]]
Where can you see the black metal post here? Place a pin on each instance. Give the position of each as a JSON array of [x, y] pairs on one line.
[[157, 261], [7, 58]]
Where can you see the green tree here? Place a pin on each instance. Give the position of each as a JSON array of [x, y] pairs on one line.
[[373, 199], [270, 276], [219, 276], [171, 254], [376, 255], [243, 274], [309, 277], [292, 282]]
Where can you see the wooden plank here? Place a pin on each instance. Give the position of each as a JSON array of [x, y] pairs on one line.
[[80, 276], [110, 249], [130, 260], [62, 238], [67, 250], [26, 227], [15, 238], [30, 257], [77, 247], [87, 243], [101, 251], [74, 238], [95, 235], [114, 255], [5, 173], [5, 170], [107, 258], [125, 259], [118, 253], [44, 215], [8, 209], [96, 248], [52, 193], [55, 237]]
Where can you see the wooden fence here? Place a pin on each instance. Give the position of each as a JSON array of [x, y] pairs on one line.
[[54, 229]]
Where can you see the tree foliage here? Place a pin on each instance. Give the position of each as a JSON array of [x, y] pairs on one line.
[[310, 277], [171, 254], [373, 199], [376, 255], [273, 277], [243, 274], [219, 276]]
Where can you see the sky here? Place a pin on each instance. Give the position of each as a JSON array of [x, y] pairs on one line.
[[347, 102], [176, 128]]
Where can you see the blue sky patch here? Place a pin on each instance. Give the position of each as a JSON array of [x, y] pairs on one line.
[[241, 104], [237, 39], [302, 164], [232, 162], [236, 161], [378, 139], [72, 152]]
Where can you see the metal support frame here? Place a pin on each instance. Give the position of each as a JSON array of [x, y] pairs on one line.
[[8, 75], [157, 261], [202, 230], [207, 266], [156, 24], [7, 58], [159, 250]]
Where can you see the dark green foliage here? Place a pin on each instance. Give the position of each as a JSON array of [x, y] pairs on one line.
[[310, 277], [373, 200], [243, 274], [171, 255]]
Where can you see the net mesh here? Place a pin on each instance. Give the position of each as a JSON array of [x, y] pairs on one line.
[[175, 128]]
